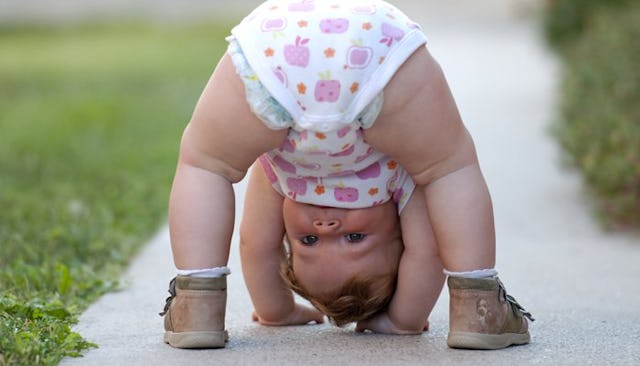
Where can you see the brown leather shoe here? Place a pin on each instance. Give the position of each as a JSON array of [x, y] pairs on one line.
[[483, 316], [194, 313]]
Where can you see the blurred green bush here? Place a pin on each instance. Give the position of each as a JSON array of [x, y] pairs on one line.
[[599, 124], [566, 20]]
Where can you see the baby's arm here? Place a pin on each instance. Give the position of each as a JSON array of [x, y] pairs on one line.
[[420, 277], [221, 141], [261, 250]]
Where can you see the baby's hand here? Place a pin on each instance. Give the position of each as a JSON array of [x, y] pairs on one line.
[[381, 323], [300, 315]]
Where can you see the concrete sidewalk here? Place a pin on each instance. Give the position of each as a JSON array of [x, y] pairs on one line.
[[582, 285]]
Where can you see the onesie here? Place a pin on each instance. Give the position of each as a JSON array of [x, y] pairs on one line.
[[318, 68]]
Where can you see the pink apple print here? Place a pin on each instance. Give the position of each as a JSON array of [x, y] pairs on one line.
[[297, 54], [268, 170], [334, 25], [309, 166], [341, 173], [347, 194], [369, 152], [370, 172], [397, 195], [391, 33], [281, 75], [297, 187], [284, 165], [314, 151], [345, 152], [344, 131], [364, 9], [304, 5], [274, 24], [288, 146], [359, 57], [327, 90]]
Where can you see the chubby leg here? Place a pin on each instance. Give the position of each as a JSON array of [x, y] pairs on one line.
[[221, 141], [462, 217], [421, 128]]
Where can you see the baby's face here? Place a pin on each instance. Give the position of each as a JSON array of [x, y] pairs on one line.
[[331, 245]]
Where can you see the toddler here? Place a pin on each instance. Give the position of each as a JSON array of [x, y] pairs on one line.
[[344, 260], [364, 163]]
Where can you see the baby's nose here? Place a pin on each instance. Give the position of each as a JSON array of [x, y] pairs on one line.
[[326, 225]]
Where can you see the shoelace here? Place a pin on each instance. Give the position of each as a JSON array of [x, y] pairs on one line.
[[511, 300], [172, 292]]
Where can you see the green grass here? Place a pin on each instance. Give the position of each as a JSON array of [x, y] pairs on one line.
[[90, 121]]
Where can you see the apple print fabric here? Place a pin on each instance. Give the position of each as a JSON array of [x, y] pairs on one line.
[[336, 169], [318, 67], [325, 61]]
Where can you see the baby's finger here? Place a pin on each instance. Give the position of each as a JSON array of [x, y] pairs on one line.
[[318, 317], [316, 320], [361, 327], [306, 316], [254, 317]]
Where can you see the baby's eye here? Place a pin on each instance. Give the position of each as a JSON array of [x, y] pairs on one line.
[[355, 237], [309, 239]]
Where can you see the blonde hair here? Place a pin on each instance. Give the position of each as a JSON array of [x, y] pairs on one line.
[[360, 298]]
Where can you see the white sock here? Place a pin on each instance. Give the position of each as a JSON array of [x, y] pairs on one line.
[[480, 273], [205, 272]]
